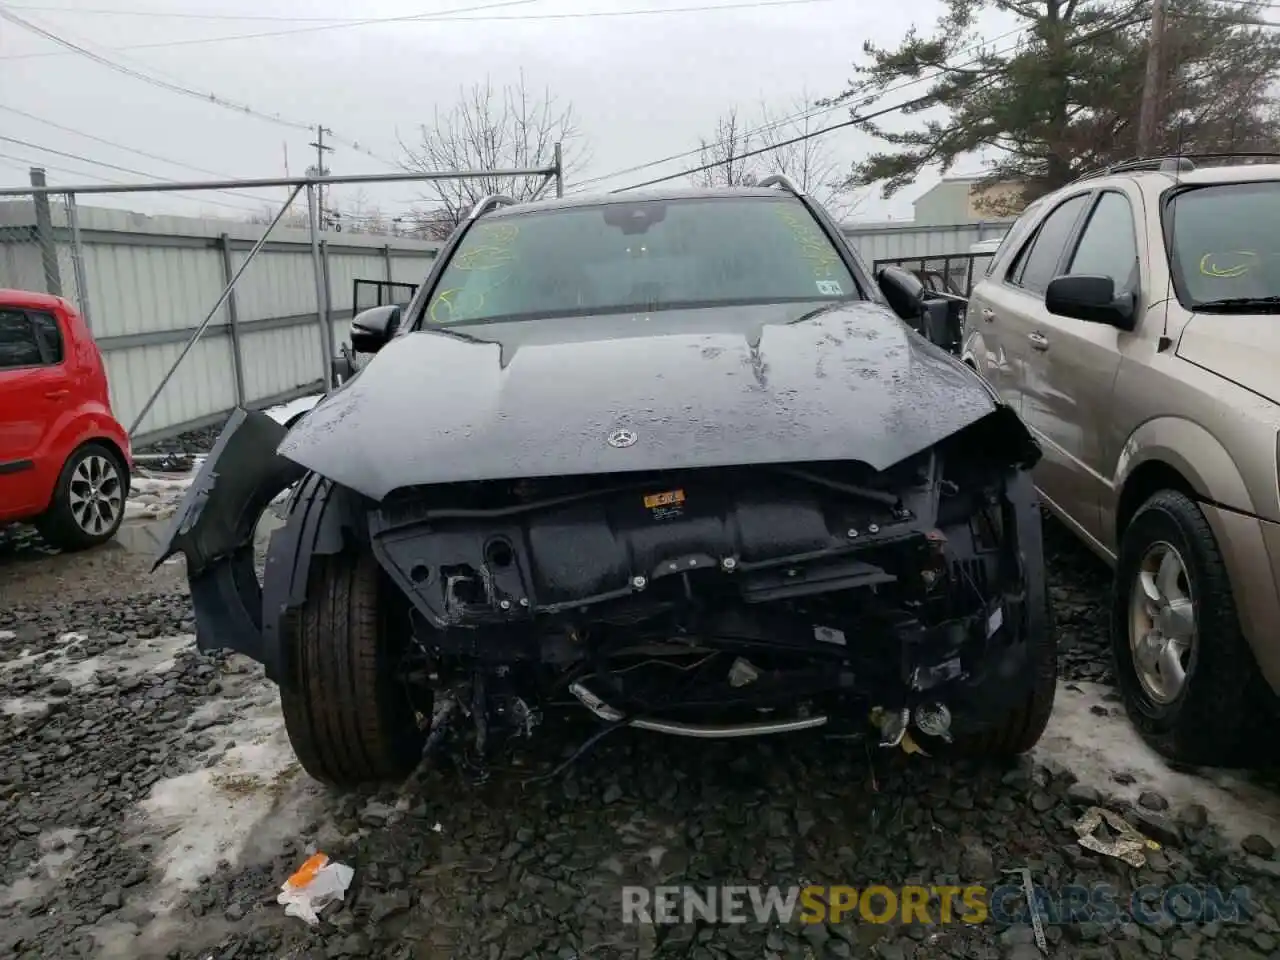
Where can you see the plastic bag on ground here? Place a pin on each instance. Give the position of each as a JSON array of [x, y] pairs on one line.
[[314, 885]]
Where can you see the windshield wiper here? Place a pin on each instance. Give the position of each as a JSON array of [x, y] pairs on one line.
[[1234, 304]]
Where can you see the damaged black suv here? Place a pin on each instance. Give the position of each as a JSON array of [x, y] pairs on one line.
[[670, 456]]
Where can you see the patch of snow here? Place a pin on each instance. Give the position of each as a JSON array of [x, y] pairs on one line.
[[115, 939], [156, 496], [65, 644], [1095, 747], [249, 799], [161, 485], [151, 655], [23, 707], [53, 866]]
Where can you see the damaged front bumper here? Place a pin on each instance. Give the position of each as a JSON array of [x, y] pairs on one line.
[[215, 529], [480, 583]]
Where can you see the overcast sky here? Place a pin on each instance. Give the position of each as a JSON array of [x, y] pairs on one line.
[[643, 86]]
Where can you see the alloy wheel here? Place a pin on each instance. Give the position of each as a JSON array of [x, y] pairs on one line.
[[1162, 622], [96, 495]]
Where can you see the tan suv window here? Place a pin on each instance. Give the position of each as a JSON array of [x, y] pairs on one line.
[[1039, 263], [1108, 247]]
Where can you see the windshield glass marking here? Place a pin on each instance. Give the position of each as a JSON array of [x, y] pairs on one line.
[[815, 248], [1210, 269], [640, 256], [1224, 245]]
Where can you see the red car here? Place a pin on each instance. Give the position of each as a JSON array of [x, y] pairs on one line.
[[64, 459]]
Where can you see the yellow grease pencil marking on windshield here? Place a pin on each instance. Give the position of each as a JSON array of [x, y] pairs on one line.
[[813, 245], [1210, 269], [494, 249], [442, 297]]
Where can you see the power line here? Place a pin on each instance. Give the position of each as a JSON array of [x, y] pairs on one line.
[[450, 16], [1084, 38], [173, 15], [25, 164], [807, 114], [112, 143], [175, 87], [144, 77], [112, 166], [1235, 21], [783, 143]]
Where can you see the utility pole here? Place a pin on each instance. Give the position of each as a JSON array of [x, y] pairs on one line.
[[1151, 86], [319, 170]]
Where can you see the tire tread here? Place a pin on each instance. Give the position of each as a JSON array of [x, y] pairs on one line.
[[335, 708], [1215, 721]]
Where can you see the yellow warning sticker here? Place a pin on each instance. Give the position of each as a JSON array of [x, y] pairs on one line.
[[667, 499]]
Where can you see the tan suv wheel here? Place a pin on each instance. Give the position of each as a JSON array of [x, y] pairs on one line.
[[1182, 663]]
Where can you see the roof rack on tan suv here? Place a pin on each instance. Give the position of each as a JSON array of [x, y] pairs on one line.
[[1176, 163]]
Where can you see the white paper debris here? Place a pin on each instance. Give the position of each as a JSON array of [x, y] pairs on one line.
[[315, 885]]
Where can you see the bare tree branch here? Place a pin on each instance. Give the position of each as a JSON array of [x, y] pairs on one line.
[[809, 162], [490, 129]]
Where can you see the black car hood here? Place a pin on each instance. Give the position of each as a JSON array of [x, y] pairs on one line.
[[695, 388]]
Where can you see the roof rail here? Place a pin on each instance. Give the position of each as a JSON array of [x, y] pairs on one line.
[[1175, 163], [781, 180], [490, 202]]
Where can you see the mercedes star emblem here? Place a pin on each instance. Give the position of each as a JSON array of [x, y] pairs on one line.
[[622, 438]]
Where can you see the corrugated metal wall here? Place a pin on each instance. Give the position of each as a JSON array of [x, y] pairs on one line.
[[150, 281], [887, 241]]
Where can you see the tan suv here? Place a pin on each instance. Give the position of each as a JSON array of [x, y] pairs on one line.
[[1133, 320]]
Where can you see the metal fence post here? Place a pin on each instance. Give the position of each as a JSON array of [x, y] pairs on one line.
[[204, 324], [77, 260], [233, 319], [327, 349], [386, 259], [44, 235], [328, 286], [559, 171]]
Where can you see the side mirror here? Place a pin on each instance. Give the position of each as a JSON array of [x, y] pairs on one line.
[[373, 328], [904, 291], [1090, 298], [343, 368]]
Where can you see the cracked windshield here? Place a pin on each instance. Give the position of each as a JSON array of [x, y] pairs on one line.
[[584, 480]]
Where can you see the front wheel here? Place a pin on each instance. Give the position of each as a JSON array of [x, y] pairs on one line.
[[1188, 677], [88, 501], [349, 720]]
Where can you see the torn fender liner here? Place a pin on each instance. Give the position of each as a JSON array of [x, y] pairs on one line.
[[322, 520], [214, 529]]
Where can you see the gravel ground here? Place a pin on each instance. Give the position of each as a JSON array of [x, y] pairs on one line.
[[150, 807]]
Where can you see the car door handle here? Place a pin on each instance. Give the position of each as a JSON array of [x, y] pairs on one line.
[[988, 314], [1038, 341], [56, 394]]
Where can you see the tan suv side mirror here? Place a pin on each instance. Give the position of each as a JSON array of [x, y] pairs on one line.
[[1090, 298]]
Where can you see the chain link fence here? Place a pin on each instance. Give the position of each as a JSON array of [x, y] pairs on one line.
[[36, 247], [195, 316]]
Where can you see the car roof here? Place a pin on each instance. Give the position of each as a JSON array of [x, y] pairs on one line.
[[632, 196], [1227, 173], [30, 298]]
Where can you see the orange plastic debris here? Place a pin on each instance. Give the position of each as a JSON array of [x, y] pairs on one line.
[[306, 873]]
